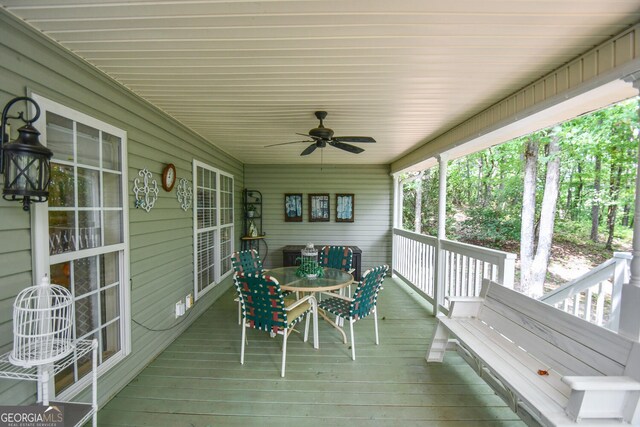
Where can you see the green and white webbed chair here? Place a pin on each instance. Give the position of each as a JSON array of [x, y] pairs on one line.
[[340, 257], [247, 261], [264, 308], [362, 304]]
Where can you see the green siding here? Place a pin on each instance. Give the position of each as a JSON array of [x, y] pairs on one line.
[[161, 241], [371, 230]]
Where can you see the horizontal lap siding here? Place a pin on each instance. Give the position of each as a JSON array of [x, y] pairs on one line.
[[371, 230], [161, 241]]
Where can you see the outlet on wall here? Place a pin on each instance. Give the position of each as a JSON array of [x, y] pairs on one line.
[[180, 308], [189, 301]]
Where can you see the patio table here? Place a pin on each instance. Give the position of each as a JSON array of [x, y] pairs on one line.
[[332, 280]]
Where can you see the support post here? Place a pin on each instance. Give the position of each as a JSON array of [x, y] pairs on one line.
[[396, 220], [619, 279], [438, 298], [630, 299]]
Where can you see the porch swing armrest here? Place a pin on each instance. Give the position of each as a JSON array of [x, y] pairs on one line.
[[608, 392], [465, 306]]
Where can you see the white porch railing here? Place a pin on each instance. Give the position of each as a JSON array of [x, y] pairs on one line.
[[463, 266], [595, 296]]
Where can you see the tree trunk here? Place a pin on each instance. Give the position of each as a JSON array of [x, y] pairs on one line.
[[479, 200], [614, 191], [547, 219], [417, 219], [595, 206], [578, 198], [527, 232], [626, 210], [569, 202]]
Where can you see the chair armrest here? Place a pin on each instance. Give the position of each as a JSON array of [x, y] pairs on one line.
[[601, 383], [465, 306], [603, 397], [332, 295], [309, 298]]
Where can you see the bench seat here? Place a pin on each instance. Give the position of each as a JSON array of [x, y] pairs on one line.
[[538, 361]]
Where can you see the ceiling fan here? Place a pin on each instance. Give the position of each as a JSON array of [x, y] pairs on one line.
[[321, 136]]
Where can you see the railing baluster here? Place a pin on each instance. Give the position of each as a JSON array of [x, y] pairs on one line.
[[588, 304], [600, 306]]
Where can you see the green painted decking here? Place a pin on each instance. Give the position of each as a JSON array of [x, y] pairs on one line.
[[199, 381]]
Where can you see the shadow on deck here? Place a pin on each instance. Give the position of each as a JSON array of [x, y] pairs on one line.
[[199, 381]]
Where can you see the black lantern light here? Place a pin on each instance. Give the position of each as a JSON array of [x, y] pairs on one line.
[[25, 162]]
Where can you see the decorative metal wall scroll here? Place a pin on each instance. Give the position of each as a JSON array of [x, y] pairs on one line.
[[185, 194], [146, 192]]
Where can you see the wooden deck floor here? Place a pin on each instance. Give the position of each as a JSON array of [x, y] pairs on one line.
[[199, 381]]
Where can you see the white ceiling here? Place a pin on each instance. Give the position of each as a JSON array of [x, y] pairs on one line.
[[245, 74]]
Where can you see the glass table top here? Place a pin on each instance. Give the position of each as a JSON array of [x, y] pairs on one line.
[[333, 279]]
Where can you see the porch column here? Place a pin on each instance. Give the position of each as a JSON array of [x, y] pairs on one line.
[[396, 220], [630, 301], [438, 299]]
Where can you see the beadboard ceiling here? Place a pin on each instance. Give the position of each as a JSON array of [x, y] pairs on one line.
[[245, 74]]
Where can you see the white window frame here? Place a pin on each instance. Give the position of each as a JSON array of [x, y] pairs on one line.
[[218, 276], [40, 233]]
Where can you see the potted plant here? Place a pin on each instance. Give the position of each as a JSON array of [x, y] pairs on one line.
[[251, 211]]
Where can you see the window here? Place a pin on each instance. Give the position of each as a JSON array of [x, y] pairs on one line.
[[85, 225], [213, 226]]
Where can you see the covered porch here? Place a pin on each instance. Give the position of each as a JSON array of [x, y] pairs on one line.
[[158, 369], [199, 381]]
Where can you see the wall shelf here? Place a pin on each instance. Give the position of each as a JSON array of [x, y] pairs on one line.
[[252, 214]]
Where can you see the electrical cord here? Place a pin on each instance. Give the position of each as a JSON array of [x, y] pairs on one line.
[[164, 329]]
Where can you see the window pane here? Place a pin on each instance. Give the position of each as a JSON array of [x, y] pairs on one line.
[[89, 229], [85, 275], [86, 315], [112, 190], [110, 340], [109, 307], [61, 188], [88, 145], [113, 227], [110, 269], [60, 137], [61, 274], [62, 227], [88, 188], [111, 152]]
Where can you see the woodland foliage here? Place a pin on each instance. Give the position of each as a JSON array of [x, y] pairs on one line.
[[598, 163]]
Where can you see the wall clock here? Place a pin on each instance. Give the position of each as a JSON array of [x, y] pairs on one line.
[[168, 177]]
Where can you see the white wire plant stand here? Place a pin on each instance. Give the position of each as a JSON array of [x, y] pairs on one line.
[[75, 413], [43, 346]]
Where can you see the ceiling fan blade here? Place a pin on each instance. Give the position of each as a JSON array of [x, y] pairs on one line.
[[315, 138], [346, 147], [310, 149], [353, 139], [285, 143]]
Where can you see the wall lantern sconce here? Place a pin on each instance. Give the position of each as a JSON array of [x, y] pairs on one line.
[[24, 162]]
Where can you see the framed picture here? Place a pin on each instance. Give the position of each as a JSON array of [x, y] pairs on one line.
[[293, 207], [318, 207], [345, 205]]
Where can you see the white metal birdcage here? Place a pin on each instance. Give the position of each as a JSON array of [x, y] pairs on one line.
[[42, 325]]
